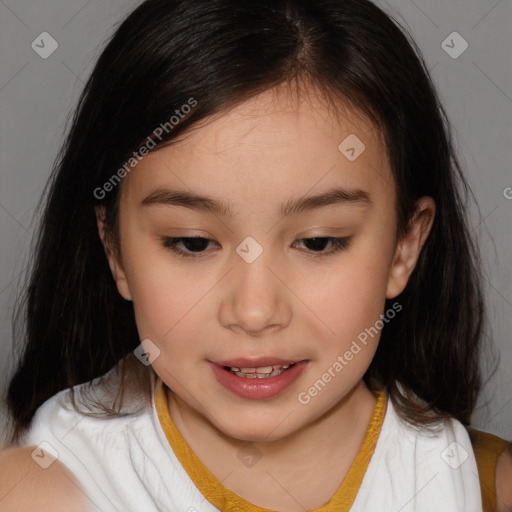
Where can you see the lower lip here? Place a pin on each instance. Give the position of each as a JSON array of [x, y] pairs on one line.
[[257, 389]]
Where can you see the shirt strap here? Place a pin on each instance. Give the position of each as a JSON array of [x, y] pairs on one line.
[[487, 448]]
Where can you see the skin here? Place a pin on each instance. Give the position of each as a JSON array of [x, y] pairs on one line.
[[503, 479], [25, 486], [287, 303]]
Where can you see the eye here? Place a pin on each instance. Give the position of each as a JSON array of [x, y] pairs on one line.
[[195, 247], [317, 245]]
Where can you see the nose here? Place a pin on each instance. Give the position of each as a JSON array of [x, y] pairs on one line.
[[255, 300]]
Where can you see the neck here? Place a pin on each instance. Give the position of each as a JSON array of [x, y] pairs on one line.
[[328, 445]]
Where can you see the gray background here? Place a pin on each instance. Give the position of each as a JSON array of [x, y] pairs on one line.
[[37, 95]]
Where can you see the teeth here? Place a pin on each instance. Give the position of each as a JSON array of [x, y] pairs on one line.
[[264, 369], [261, 372]]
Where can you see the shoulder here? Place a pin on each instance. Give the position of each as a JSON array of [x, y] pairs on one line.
[[31, 480], [92, 410], [439, 453], [504, 480], [494, 460]]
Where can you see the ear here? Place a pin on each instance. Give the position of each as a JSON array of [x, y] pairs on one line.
[[409, 247], [115, 266]]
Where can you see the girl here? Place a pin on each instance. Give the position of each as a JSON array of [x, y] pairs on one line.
[[254, 286]]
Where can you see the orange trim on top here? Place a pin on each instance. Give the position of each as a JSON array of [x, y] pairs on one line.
[[227, 500]]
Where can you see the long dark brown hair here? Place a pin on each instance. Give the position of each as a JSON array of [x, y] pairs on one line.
[[72, 324]]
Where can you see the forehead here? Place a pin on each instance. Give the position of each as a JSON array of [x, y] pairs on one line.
[[280, 142]]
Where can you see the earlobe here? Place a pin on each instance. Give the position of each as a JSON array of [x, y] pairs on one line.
[[115, 267], [409, 247]]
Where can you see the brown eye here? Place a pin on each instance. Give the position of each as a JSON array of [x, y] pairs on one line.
[[192, 245], [318, 244]]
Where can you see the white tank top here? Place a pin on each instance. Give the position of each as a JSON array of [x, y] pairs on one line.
[[126, 464]]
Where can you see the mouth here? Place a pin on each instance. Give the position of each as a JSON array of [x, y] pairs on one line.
[[261, 378], [259, 372]]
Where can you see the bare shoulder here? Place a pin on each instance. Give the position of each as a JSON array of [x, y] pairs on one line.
[[31, 479], [504, 480]]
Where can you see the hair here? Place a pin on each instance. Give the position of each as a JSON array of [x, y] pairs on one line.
[[75, 325]]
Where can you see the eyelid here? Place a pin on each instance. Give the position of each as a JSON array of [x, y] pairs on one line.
[[339, 244]]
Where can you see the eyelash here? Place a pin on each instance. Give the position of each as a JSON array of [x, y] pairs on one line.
[[339, 244]]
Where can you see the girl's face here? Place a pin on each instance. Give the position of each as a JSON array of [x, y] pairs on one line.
[[296, 213]]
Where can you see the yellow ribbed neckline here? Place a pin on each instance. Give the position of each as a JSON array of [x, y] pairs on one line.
[[227, 500]]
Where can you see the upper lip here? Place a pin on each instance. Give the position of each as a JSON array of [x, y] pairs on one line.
[[244, 362]]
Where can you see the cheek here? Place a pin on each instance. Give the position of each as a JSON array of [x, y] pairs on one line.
[[168, 311], [350, 297], [349, 304], [165, 296], [167, 304]]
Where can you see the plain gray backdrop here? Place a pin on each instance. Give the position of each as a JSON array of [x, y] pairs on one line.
[[475, 84]]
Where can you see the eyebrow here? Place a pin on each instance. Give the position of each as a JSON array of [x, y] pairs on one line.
[[333, 196]]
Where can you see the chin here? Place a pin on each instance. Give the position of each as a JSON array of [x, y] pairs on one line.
[[253, 431]]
